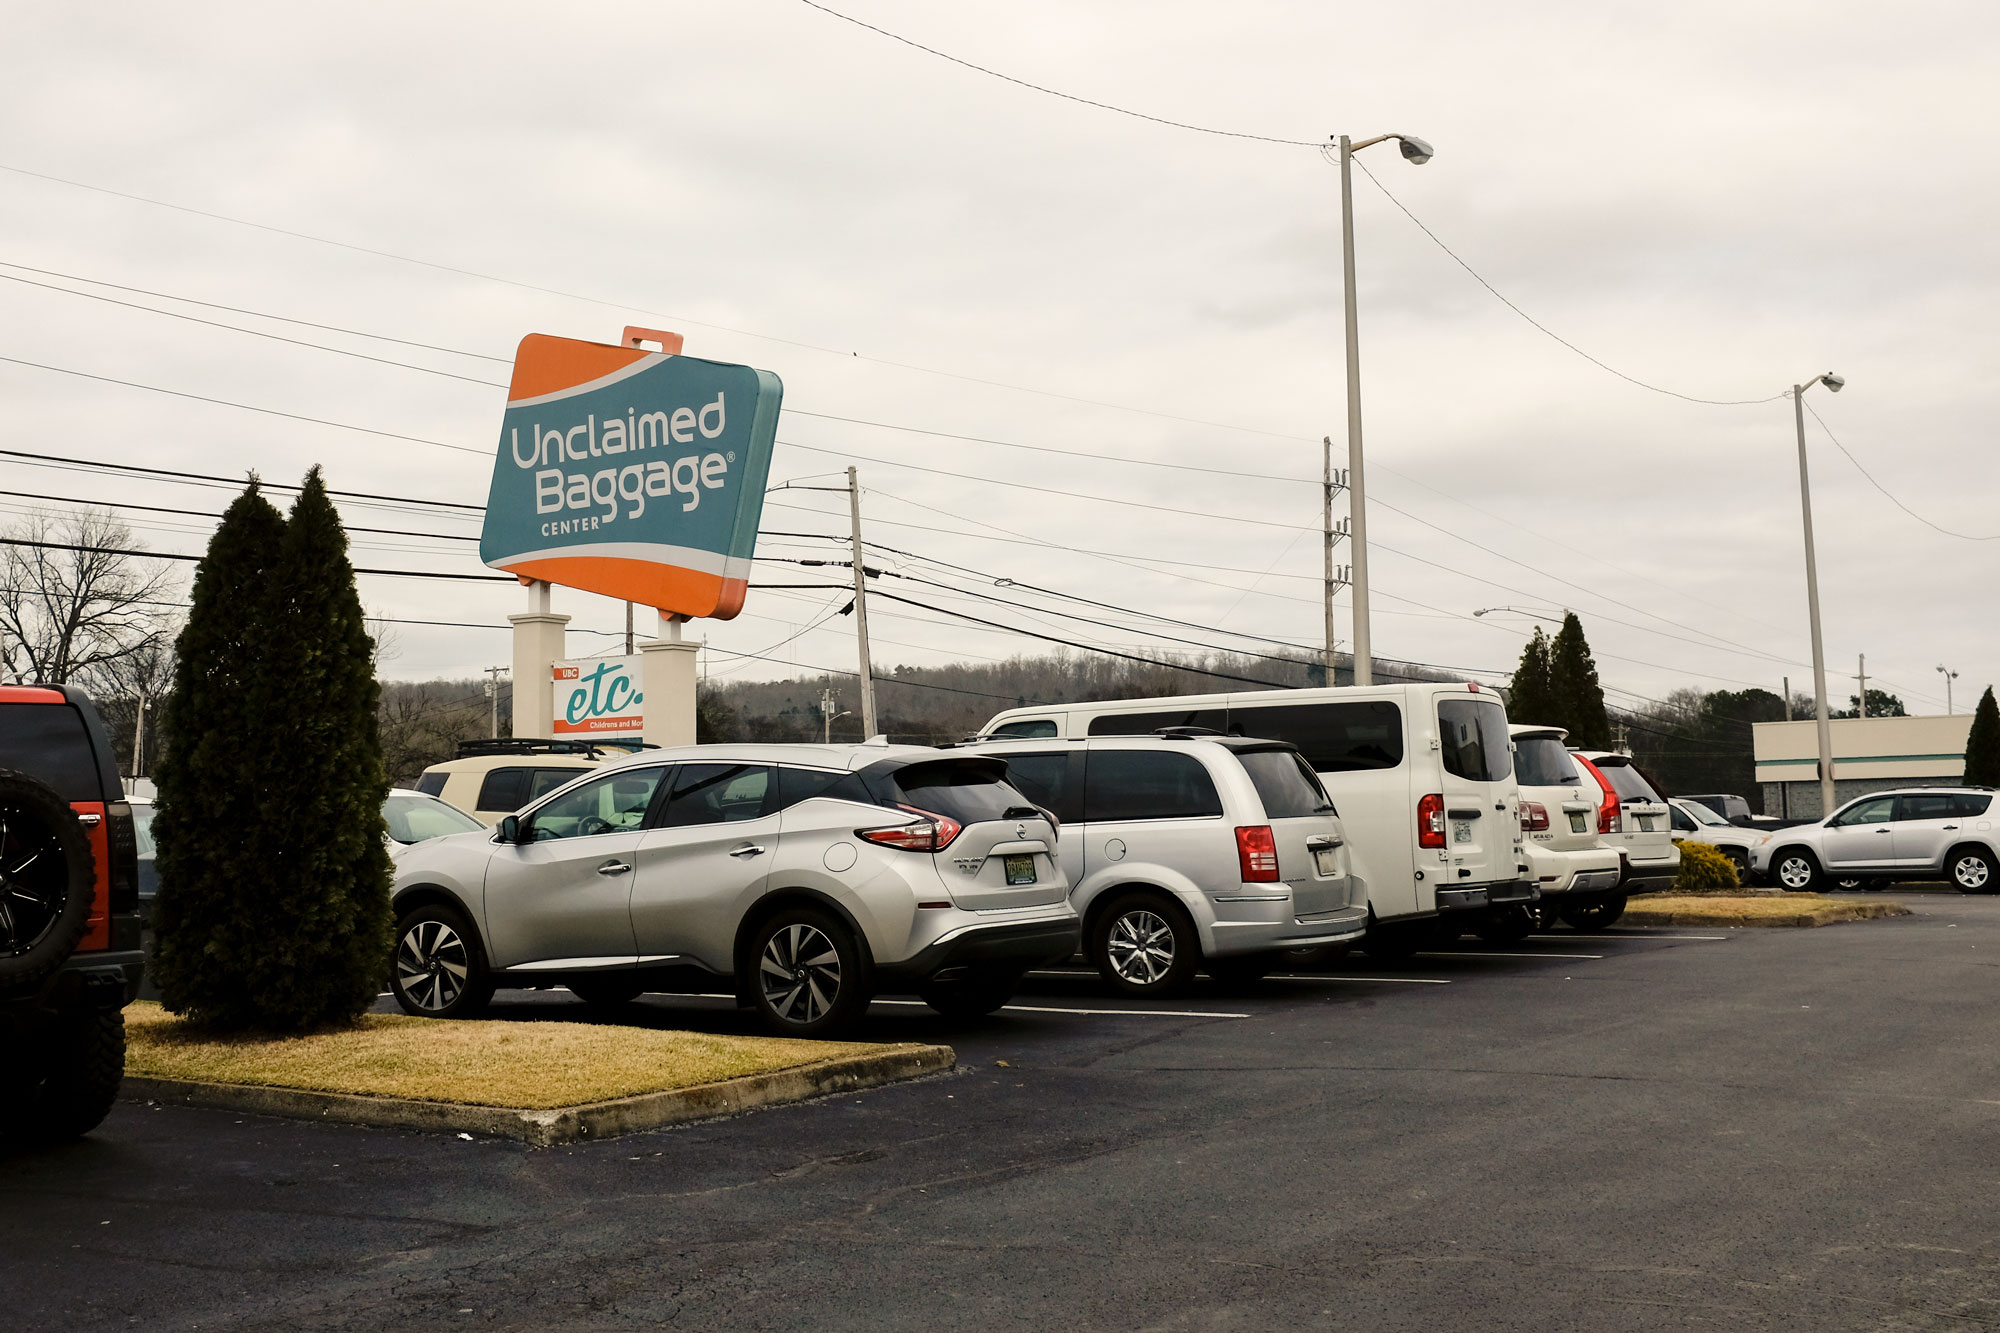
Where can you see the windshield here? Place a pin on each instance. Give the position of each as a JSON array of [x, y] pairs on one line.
[[967, 791], [1626, 779], [416, 818], [1701, 814], [1288, 788], [1541, 761]]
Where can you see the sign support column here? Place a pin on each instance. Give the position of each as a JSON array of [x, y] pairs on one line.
[[667, 675], [538, 645]]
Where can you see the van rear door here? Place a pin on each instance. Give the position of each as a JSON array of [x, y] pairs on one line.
[[1480, 807]]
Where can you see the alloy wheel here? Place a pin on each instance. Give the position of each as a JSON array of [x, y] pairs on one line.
[[1795, 872], [799, 973], [1971, 873], [431, 965], [1141, 946], [31, 882]]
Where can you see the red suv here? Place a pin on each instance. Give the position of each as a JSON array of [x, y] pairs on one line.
[[70, 957]]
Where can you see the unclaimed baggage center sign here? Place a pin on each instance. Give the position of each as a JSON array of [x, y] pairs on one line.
[[599, 696], [634, 474]]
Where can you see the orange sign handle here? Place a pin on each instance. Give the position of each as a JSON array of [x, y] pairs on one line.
[[670, 343]]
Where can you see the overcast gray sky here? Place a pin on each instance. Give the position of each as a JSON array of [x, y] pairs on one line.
[[1715, 198]]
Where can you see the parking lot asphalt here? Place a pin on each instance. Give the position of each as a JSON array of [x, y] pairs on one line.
[[1623, 1129]]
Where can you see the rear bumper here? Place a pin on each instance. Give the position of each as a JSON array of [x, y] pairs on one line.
[[1650, 876], [101, 980], [1016, 946], [1475, 897], [1585, 870], [1284, 931]]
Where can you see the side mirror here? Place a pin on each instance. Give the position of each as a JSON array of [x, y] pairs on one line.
[[510, 829]]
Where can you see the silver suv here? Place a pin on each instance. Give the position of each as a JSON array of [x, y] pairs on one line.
[[1923, 833], [811, 876], [1186, 853]]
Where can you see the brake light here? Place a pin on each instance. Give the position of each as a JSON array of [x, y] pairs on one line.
[[1257, 854], [1534, 816], [1430, 821], [931, 832], [1607, 814]]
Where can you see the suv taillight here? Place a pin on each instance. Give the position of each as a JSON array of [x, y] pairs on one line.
[[1430, 821], [1607, 814], [1534, 816], [931, 832], [1257, 854]]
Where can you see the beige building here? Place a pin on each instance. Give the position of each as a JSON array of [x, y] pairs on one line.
[[1869, 754]]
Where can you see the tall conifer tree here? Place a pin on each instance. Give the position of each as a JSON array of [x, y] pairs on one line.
[[1531, 697], [1579, 698], [1982, 747], [211, 774], [325, 898]]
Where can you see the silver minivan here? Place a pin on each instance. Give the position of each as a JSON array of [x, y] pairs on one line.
[[1191, 853]]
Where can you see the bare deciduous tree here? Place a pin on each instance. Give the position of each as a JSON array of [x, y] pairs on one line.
[[69, 604]]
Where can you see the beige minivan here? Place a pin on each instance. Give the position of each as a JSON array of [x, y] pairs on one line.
[[491, 779]]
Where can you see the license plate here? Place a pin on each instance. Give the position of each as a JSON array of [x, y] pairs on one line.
[[1461, 832], [1324, 861], [1575, 822], [1645, 823], [1020, 870]]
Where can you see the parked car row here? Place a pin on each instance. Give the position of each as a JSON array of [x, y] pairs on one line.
[[1162, 838]]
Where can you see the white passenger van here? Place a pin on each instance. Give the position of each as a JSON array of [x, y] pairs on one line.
[[1422, 775]]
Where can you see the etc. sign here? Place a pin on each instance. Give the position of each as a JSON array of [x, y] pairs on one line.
[[598, 696], [633, 474]]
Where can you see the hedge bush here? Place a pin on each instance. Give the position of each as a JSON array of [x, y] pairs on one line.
[[1705, 869]]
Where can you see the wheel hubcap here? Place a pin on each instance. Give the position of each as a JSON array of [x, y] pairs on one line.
[[432, 964], [32, 882], [799, 973], [1141, 947], [1795, 873], [1971, 873]]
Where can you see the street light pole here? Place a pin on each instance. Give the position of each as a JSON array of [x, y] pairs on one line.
[[1833, 384], [1419, 152], [1949, 677]]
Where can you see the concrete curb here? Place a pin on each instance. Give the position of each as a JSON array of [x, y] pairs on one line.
[[566, 1124], [1817, 916]]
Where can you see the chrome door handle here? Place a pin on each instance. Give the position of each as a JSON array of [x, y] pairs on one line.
[[1881, 830], [614, 868], [748, 849], [1951, 828]]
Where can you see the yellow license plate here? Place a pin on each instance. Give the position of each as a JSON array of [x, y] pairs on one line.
[[1020, 870]]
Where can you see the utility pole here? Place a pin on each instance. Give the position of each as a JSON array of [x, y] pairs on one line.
[[493, 699], [827, 698], [1357, 491], [628, 629], [139, 741], [1861, 674], [861, 609], [1326, 526], [1788, 698]]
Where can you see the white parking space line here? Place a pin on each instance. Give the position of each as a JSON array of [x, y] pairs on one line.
[[1644, 935], [1406, 981], [1119, 1013], [1469, 953]]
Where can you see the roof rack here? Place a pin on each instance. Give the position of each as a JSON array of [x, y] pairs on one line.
[[528, 745], [1188, 733]]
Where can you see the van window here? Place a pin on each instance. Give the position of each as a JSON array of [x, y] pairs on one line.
[[1035, 728], [1474, 737], [1145, 724], [969, 791], [432, 784], [1040, 777], [1542, 761], [1334, 737], [1147, 784], [1626, 779], [1968, 804], [503, 789], [49, 742], [1288, 788]]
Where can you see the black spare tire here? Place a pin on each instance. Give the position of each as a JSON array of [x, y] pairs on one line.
[[47, 880]]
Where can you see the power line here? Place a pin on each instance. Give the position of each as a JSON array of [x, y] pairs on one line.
[[1438, 241], [266, 411], [206, 513], [234, 482], [1052, 92], [1962, 536], [175, 555]]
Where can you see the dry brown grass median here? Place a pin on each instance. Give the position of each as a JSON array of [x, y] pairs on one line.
[[525, 1065], [1761, 909]]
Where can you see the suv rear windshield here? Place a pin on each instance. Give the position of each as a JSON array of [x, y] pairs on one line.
[[968, 791], [1626, 779], [1543, 761], [1474, 734], [49, 742], [1288, 788]]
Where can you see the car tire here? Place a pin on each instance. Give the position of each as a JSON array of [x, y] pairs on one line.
[[1796, 870], [1595, 914], [82, 1060], [1741, 860], [606, 992], [1396, 941], [1243, 969], [1145, 946], [973, 996], [1506, 925], [48, 878], [808, 976], [1971, 870], [439, 969]]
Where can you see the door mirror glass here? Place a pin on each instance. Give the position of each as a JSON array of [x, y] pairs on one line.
[[510, 829]]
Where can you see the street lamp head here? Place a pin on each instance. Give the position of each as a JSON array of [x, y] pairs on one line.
[[1833, 382], [1415, 149]]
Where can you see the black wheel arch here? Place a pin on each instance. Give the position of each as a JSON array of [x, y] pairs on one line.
[[778, 900], [1101, 904], [427, 895]]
